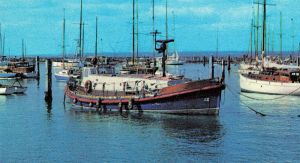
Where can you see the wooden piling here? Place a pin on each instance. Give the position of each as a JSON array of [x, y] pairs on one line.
[[212, 73], [48, 85], [223, 71], [228, 63], [37, 65]]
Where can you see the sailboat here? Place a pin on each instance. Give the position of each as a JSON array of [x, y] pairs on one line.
[[68, 71], [135, 67], [174, 58], [271, 80]]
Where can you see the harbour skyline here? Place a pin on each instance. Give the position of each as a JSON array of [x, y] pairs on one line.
[[39, 23]]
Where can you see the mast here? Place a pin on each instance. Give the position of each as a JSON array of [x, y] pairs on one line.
[[82, 48], [137, 31], [64, 37], [272, 42], [264, 33], [251, 39], [0, 40], [280, 56], [80, 31], [217, 50], [23, 55], [293, 36], [153, 30], [3, 47], [167, 37], [133, 32], [96, 41], [256, 34], [174, 32]]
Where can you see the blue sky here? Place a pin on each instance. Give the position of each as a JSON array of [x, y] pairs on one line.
[[39, 22]]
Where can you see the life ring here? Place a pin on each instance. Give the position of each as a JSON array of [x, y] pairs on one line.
[[94, 61], [88, 86]]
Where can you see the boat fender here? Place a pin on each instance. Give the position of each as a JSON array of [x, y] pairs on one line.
[[90, 104], [120, 105], [88, 86], [74, 100]]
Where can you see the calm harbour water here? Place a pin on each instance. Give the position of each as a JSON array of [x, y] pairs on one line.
[[31, 132]]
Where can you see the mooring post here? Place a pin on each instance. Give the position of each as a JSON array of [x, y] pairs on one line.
[[204, 60], [48, 85], [212, 73], [229, 63], [37, 67], [223, 71]]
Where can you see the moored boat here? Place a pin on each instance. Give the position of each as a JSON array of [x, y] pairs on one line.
[[281, 82], [6, 90], [196, 97], [65, 75]]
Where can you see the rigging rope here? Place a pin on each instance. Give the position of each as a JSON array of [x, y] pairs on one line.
[[252, 109]]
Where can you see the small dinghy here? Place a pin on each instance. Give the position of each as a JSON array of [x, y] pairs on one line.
[[6, 90]]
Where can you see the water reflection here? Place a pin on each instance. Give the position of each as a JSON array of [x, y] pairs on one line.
[[193, 128], [49, 109]]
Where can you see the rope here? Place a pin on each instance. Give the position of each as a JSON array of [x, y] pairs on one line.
[[252, 109]]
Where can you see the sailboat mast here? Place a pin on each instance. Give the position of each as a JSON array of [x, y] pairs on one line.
[[264, 32], [82, 48], [133, 31], [272, 42], [80, 31], [137, 31], [280, 35], [167, 37], [217, 51], [64, 37], [23, 53], [0, 40], [251, 39], [174, 32], [96, 41], [3, 47], [293, 36], [153, 30], [256, 34]]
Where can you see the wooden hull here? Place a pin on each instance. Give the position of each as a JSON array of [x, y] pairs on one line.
[[268, 87], [202, 100]]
